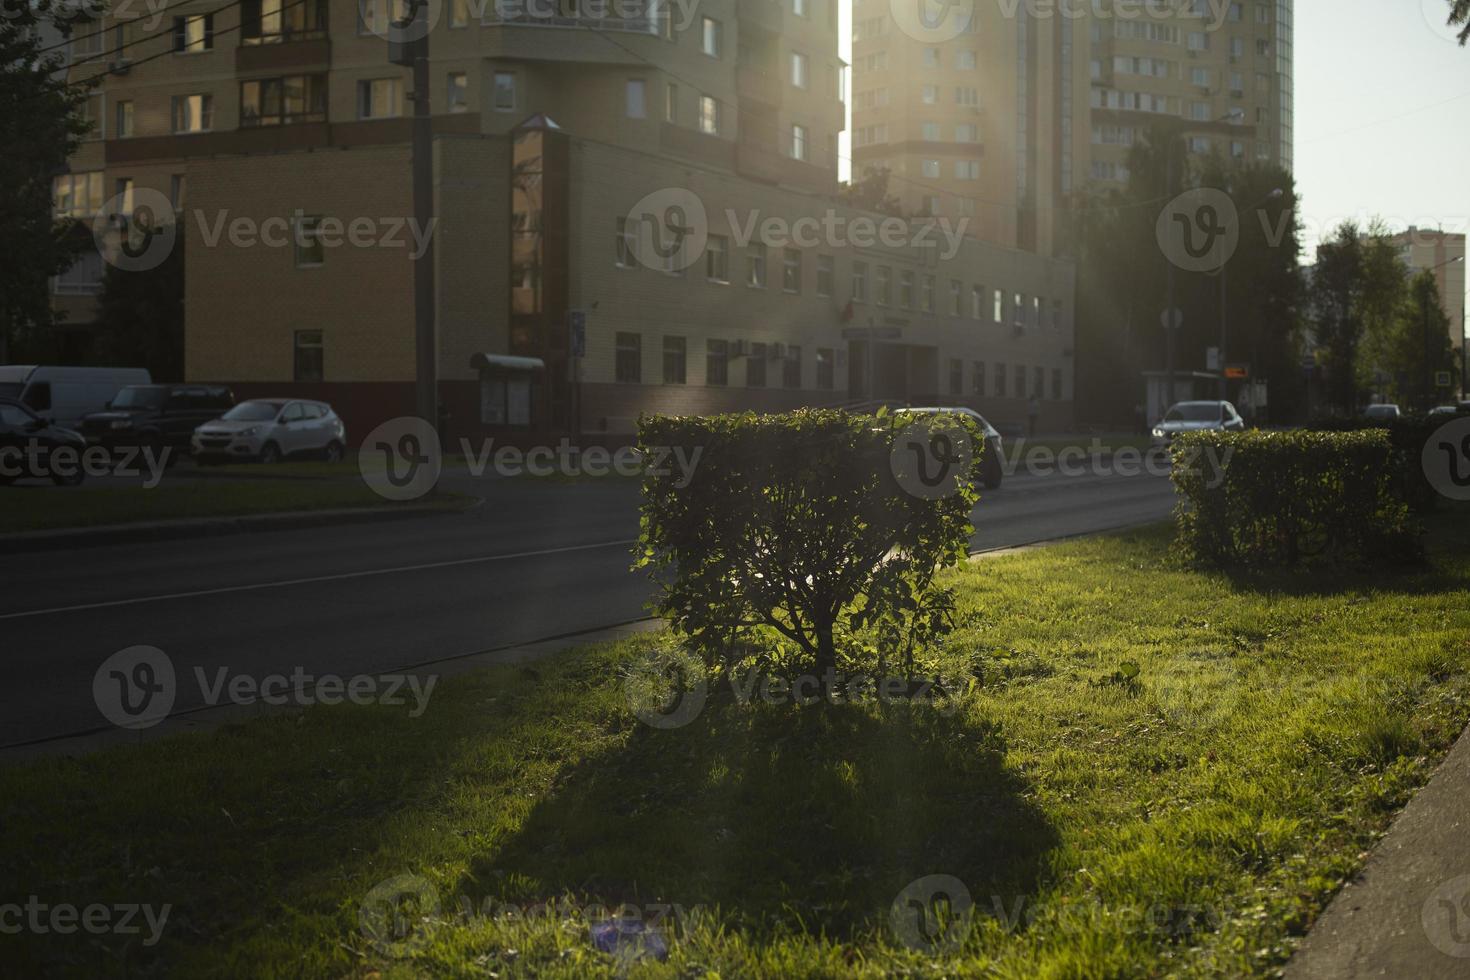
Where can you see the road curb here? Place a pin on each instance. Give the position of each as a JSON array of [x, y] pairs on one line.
[[208, 527]]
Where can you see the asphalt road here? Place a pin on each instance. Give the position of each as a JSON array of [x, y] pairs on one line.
[[535, 560]]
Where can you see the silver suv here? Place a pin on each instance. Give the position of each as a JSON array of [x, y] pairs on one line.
[[271, 429]]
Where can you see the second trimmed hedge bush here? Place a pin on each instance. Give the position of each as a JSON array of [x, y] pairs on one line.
[[1278, 498]]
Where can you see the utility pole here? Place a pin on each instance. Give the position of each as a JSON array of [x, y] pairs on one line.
[[1169, 326], [408, 45]]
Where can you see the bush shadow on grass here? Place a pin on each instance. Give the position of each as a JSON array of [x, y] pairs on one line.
[[781, 817], [1446, 539]]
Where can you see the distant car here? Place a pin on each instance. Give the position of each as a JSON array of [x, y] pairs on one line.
[[270, 430], [1209, 416], [1382, 412], [66, 395], [156, 416], [1441, 411], [990, 467], [21, 430]]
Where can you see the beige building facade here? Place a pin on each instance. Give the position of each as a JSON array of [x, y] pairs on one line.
[[1443, 253], [280, 140], [1008, 110]]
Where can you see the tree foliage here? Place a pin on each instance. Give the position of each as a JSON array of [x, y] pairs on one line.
[[141, 317], [1122, 276], [870, 192], [795, 527], [1460, 16], [40, 126]]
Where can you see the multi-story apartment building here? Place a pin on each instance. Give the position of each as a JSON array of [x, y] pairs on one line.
[[275, 127], [979, 115], [1443, 253], [1014, 107]]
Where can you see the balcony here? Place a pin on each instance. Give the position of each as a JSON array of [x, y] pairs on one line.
[[758, 83], [297, 52], [762, 15]]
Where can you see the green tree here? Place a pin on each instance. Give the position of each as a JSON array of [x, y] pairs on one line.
[[870, 192], [1419, 343], [40, 126], [141, 317], [1460, 16]]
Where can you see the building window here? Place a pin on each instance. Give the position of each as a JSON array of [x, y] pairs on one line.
[[1020, 381], [860, 282], [194, 33], [177, 185], [375, 16], [671, 103], [675, 361], [926, 294], [122, 189], [929, 168], [956, 298], [713, 39], [505, 91], [791, 270], [997, 308], [717, 259], [798, 142], [716, 362], [1056, 314], [929, 94], [906, 290], [709, 115], [280, 101], [1018, 310], [275, 21], [193, 113], [307, 359], [307, 243], [77, 195], [956, 376], [458, 92], [1056, 384], [931, 57], [1000, 380], [755, 266], [459, 13], [799, 70], [798, 7], [929, 132], [755, 366], [967, 133], [965, 60], [124, 119], [977, 302], [1038, 382], [791, 367], [826, 377], [379, 98], [883, 293], [628, 358], [977, 379], [826, 274], [627, 245], [635, 104], [967, 170]]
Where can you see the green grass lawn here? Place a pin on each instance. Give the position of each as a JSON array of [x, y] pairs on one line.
[[36, 508], [1189, 817]]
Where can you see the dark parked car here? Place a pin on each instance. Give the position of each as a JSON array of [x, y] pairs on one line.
[[156, 416], [21, 432]]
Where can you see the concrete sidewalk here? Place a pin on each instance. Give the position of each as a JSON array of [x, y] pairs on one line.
[[1408, 913]]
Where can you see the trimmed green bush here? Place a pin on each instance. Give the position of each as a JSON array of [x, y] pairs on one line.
[[797, 524], [1279, 498], [1406, 436]]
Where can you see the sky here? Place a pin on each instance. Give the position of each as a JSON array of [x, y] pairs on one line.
[[1382, 115]]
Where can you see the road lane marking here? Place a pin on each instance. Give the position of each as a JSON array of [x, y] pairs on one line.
[[318, 578]]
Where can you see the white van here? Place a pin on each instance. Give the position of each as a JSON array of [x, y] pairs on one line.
[[66, 394]]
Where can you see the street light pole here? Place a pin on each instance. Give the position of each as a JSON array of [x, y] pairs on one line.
[[409, 46]]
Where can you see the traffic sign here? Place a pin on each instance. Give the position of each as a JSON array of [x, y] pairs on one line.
[[1441, 379], [1237, 372]]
